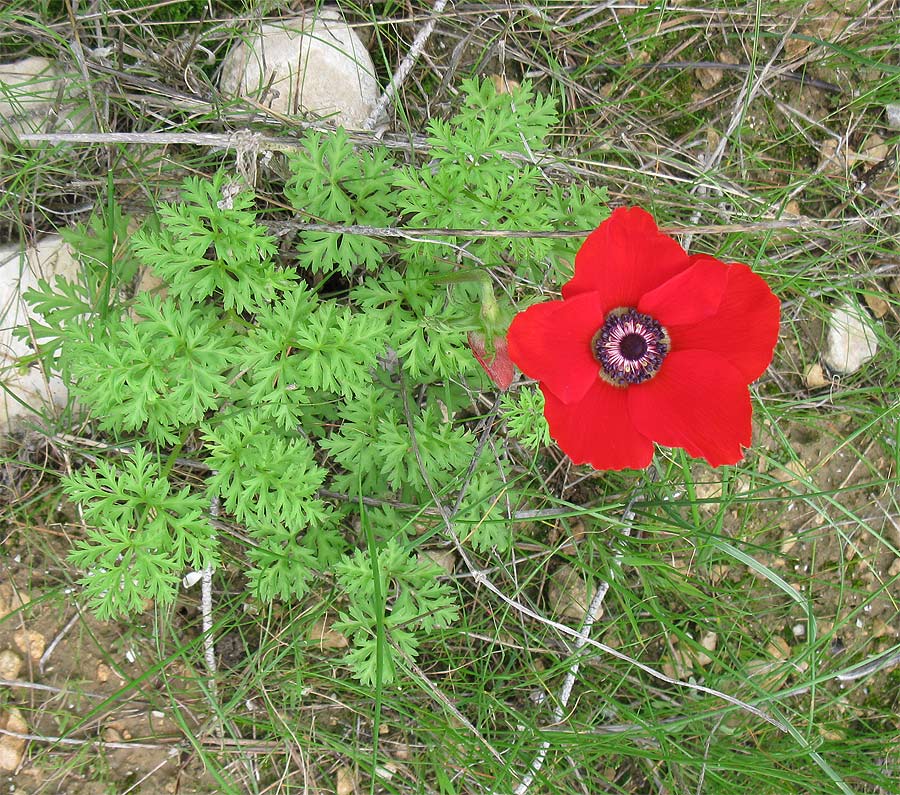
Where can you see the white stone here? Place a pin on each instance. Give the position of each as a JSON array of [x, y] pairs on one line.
[[308, 64], [892, 111], [852, 340], [27, 392], [35, 97]]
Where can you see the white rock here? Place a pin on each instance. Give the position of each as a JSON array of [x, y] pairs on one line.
[[27, 392], [35, 97], [892, 111], [308, 64], [852, 340]]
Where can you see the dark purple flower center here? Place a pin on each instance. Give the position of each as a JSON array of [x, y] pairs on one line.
[[630, 347]]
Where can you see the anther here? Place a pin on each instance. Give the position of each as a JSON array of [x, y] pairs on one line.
[[630, 347]]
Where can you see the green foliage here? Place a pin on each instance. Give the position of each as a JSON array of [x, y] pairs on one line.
[[160, 372], [212, 246], [301, 345], [142, 533], [490, 125], [483, 513], [283, 394], [524, 413], [418, 604], [101, 247], [374, 442], [264, 477], [330, 182]]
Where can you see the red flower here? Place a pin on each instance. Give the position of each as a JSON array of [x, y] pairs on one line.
[[648, 345]]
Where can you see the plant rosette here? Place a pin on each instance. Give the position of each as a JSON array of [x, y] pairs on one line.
[[648, 344]]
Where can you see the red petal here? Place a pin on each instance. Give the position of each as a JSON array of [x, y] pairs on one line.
[[745, 328], [598, 429], [625, 257], [499, 367], [552, 343], [690, 296], [698, 401]]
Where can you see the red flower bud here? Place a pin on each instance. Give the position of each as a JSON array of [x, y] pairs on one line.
[[498, 365]]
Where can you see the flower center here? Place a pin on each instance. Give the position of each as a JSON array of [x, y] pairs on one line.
[[630, 347]]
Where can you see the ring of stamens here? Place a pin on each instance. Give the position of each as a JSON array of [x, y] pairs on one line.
[[630, 347]]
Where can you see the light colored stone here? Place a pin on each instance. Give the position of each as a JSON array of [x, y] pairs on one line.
[[836, 157], [12, 749], [892, 115], [792, 472], [792, 208], [789, 544], [386, 772], [11, 598], [307, 64], [678, 665], [874, 150], [345, 781], [709, 77], [445, 558], [20, 271], [10, 664], [326, 637], [708, 490], [503, 85], [877, 304], [103, 673], [30, 642], [815, 377], [112, 735], [709, 641], [568, 593], [36, 97], [852, 340], [778, 648], [28, 88]]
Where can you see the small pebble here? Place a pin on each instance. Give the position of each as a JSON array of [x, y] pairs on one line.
[[30, 642], [111, 735], [568, 593], [877, 304], [10, 664], [892, 114], [345, 781], [852, 340], [11, 598], [325, 637], [12, 749], [815, 377]]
